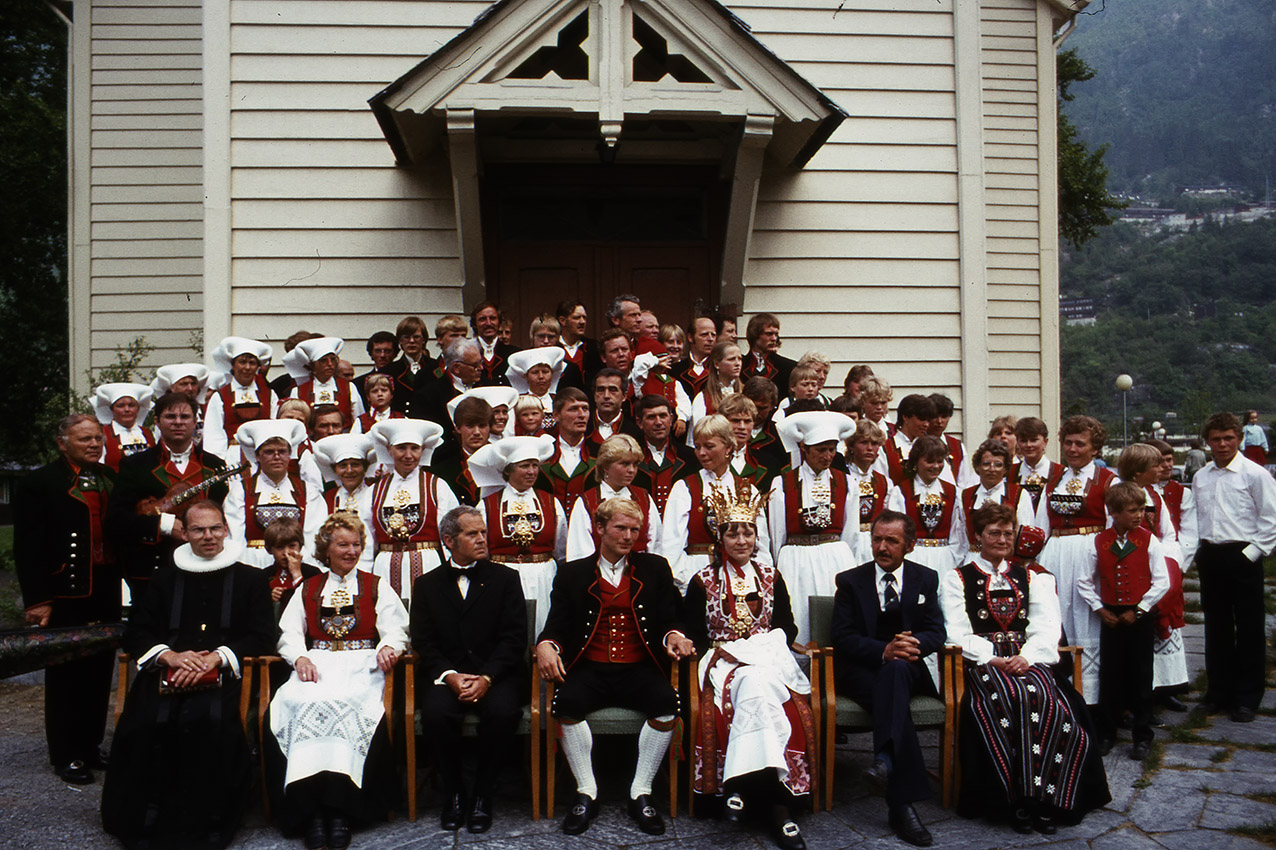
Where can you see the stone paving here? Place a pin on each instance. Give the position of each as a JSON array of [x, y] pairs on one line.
[[1210, 779]]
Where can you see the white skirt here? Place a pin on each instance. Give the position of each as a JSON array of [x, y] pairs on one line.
[[1169, 661], [328, 724], [1065, 557], [812, 571], [382, 569], [538, 581]]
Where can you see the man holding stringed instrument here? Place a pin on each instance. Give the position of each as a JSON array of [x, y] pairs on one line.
[[148, 505]]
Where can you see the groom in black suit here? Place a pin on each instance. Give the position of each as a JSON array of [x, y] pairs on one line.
[[886, 620], [469, 627]]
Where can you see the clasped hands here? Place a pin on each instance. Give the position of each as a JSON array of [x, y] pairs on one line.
[[308, 672], [903, 647], [550, 664], [467, 686], [190, 666], [1111, 621]]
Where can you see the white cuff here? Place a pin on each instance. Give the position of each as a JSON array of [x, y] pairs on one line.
[[166, 523], [442, 680], [1253, 553], [152, 654], [229, 660]]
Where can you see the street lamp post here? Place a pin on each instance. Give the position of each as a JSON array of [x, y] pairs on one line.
[[1124, 383]]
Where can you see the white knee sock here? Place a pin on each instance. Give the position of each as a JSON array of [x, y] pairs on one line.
[[578, 746], [652, 746]]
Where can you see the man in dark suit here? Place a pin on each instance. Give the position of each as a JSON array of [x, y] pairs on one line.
[[485, 318], [664, 460], [581, 350], [763, 358], [69, 578], [693, 370], [886, 620], [414, 367], [612, 625], [469, 627], [462, 368], [145, 537], [610, 416]]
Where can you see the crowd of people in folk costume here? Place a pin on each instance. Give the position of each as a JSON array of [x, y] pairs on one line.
[[658, 494]]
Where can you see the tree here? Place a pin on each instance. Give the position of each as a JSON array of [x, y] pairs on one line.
[[1085, 205]]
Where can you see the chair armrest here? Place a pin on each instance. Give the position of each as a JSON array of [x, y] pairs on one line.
[[1078, 681]]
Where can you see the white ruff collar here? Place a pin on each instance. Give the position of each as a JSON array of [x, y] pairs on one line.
[[187, 561]]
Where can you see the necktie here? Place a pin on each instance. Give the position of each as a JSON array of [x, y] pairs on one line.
[[890, 596]]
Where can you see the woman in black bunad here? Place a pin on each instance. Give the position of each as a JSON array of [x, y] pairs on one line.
[[1028, 750]]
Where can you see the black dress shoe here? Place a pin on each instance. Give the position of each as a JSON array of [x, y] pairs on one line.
[[1173, 703], [646, 816], [583, 811], [338, 834], [316, 837], [788, 836], [1106, 745], [733, 809], [877, 777], [1242, 715], [480, 819], [908, 826], [76, 772], [99, 760], [1044, 824], [1209, 706], [1021, 821], [452, 817], [1140, 750]]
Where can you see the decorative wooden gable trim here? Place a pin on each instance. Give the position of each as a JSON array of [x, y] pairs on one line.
[[689, 59]]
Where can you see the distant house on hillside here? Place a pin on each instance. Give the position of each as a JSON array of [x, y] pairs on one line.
[[1078, 311], [881, 174]]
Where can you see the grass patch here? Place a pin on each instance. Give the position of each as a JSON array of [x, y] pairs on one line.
[[1184, 735], [1269, 799], [1265, 833], [1220, 756], [1151, 764]]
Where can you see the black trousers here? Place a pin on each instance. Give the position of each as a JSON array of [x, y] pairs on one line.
[[886, 693], [1235, 641], [441, 715], [592, 685], [77, 694], [1125, 674]]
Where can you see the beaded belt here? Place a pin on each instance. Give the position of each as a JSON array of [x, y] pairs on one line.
[[812, 539], [343, 645], [931, 541], [520, 559], [1081, 529], [1006, 637], [256, 544], [866, 526], [407, 547], [699, 549]]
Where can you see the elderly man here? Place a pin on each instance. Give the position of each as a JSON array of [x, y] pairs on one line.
[[69, 578], [462, 370], [180, 771], [469, 627], [693, 370], [625, 313], [1236, 521], [612, 626]]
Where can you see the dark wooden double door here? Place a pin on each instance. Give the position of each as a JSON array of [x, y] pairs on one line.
[[594, 232]]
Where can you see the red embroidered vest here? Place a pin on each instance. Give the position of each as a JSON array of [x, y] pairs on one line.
[[258, 516], [1173, 496], [955, 456], [1092, 511], [233, 417], [872, 504], [1009, 496], [365, 603], [426, 529], [616, 639], [698, 530], [796, 522], [366, 421], [1123, 581], [944, 523], [498, 540], [113, 451], [306, 392]]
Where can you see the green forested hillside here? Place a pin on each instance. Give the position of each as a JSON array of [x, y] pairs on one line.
[[1190, 316], [1185, 92]]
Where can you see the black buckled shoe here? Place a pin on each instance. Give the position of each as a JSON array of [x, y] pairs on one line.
[[788, 836], [877, 777], [316, 837], [452, 817], [646, 816], [733, 809], [480, 819], [908, 826], [1021, 821], [76, 772], [1044, 824], [338, 834], [583, 811]]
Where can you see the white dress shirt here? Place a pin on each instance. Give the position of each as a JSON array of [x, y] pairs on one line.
[[1237, 504], [1088, 577]]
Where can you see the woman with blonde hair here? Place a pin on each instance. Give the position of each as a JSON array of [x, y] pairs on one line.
[[725, 363], [616, 464]]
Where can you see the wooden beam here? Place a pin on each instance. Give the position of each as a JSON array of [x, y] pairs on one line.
[[755, 135], [463, 152]]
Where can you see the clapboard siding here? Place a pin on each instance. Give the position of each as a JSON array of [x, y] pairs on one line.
[[145, 150]]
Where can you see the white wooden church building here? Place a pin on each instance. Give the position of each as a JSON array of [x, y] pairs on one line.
[[879, 173]]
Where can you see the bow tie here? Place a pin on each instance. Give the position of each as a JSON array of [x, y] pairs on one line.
[[458, 572]]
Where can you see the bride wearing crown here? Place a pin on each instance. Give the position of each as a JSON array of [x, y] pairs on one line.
[[754, 738]]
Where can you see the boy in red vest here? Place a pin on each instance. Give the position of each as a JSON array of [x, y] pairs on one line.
[[1126, 578]]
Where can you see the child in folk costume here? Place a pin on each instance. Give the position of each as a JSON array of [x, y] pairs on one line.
[[526, 527], [689, 525], [344, 460], [1169, 662], [122, 409], [1123, 578], [408, 502], [934, 505], [814, 511], [529, 417], [342, 632], [313, 365], [755, 740], [1032, 473], [959, 461], [1027, 751], [284, 542], [804, 385], [616, 465], [875, 396], [991, 460], [877, 493], [271, 490], [1072, 512], [239, 391], [535, 373], [379, 390], [725, 362]]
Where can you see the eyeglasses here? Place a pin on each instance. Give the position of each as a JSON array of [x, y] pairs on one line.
[[995, 534], [205, 530]]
